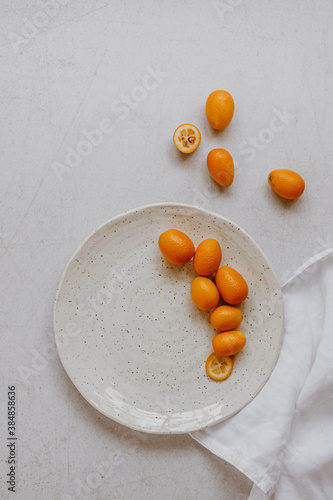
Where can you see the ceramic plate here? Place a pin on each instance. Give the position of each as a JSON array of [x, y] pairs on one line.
[[131, 339]]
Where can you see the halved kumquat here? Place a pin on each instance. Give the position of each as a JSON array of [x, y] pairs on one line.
[[187, 138], [218, 367]]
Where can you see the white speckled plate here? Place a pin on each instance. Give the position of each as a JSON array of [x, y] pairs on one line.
[[130, 337]]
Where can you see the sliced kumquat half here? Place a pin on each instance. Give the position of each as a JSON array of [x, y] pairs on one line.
[[218, 367], [187, 138]]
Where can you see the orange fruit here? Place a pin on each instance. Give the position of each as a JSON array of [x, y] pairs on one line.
[[221, 166], [286, 183], [176, 246], [232, 286], [228, 343], [186, 138], [207, 257], [225, 318], [220, 109], [204, 293], [218, 367]]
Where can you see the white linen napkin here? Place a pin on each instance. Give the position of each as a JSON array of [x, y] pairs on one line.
[[283, 439]]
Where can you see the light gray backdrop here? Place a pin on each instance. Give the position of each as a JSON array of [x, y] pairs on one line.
[[91, 92]]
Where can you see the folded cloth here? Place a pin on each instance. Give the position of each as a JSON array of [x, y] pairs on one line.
[[283, 439]]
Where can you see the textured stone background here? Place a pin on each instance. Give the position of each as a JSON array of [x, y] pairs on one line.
[[134, 71]]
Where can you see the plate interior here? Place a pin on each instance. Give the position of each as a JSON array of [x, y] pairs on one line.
[[133, 342]]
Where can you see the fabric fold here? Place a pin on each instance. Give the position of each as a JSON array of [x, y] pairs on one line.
[[282, 439]]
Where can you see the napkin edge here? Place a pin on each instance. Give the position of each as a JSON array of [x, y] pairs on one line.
[[236, 460], [309, 262]]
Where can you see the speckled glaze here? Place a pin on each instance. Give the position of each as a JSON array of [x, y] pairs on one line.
[[130, 337]]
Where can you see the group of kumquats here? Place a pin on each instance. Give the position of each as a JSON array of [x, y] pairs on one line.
[[219, 111], [179, 249]]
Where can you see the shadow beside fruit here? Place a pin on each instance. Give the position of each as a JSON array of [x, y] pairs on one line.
[[283, 203]]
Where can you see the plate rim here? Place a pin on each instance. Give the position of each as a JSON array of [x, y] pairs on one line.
[[140, 209]]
